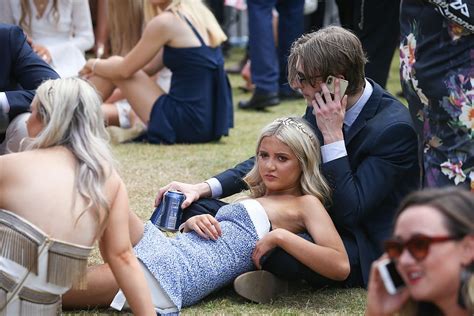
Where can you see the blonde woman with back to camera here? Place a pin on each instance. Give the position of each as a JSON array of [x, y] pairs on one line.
[[57, 199], [433, 251]]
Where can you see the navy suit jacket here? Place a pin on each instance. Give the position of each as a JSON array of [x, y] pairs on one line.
[[380, 168], [21, 69]]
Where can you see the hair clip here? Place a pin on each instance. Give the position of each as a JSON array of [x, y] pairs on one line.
[[292, 123]]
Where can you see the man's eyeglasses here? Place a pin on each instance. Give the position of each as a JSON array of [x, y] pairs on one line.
[[418, 246], [302, 79]]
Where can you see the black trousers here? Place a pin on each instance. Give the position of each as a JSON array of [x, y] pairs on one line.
[[376, 23]]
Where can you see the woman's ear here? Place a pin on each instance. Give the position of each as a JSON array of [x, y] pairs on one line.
[[467, 245]]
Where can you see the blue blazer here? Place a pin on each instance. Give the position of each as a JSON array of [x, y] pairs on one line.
[[21, 69], [380, 168]]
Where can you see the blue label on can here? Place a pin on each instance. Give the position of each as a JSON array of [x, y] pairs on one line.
[[169, 212], [156, 216]]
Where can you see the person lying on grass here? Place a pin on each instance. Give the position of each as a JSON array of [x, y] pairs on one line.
[[287, 196]]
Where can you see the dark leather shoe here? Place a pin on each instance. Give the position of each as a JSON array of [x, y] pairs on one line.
[[260, 286], [260, 100]]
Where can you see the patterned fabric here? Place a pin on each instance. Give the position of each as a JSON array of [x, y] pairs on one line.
[[458, 11], [190, 267], [437, 76]]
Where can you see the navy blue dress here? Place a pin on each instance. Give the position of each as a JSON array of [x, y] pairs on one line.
[[198, 107]]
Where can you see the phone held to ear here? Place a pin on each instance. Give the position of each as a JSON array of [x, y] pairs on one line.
[[392, 280], [331, 82]]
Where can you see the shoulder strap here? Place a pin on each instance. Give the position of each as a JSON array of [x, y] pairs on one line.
[[194, 29]]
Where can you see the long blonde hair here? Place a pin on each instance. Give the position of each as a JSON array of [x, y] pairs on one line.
[[298, 135], [125, 20], [70, 111], [25, 18], [202, 18]]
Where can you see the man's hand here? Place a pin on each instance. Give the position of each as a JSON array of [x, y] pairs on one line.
[[330, 112], [193, 192], [42, 52], [205, 225]]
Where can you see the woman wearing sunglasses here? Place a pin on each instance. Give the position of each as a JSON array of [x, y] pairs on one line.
[[433, 250]]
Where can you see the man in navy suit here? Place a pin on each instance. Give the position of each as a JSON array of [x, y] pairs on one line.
[[369, 153], [21, 72]]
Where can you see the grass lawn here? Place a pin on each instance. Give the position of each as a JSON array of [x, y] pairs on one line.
[[145, 168]]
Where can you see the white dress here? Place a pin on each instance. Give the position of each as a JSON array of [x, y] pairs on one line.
[[66, 40]]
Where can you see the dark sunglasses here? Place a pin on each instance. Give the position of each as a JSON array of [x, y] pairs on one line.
[[302, 78], [418, 245]]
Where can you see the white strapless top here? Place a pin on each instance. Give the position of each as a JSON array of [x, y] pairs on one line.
[[34, 268]]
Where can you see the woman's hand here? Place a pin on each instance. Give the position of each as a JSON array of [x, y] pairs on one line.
[[87, 71], [265, 245], [205, 225], [379, 302], [42, 51]]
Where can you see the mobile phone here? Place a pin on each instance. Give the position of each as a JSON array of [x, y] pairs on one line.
[[330, 83], [392, 280]]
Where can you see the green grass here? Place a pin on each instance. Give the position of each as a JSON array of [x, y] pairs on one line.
[[145, 168]]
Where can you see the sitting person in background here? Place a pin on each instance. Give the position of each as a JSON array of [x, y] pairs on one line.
[[60, 31], [47, 228], [436, 228], [198, 107], [126, 20], [22, 71], [287, 196]]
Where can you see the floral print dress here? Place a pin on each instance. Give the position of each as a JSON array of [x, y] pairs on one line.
[[437, 77]]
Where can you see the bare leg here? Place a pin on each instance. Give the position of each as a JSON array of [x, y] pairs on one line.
[[115, 96], [101, 290], [104, 86], [141, 92]]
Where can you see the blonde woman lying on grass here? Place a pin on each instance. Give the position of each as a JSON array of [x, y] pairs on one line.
[[287, 196]]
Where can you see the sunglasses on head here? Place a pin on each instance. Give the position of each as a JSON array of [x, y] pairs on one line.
[[418, 245]]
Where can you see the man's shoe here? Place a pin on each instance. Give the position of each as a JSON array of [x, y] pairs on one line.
[[260, 100], [260, 286]]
